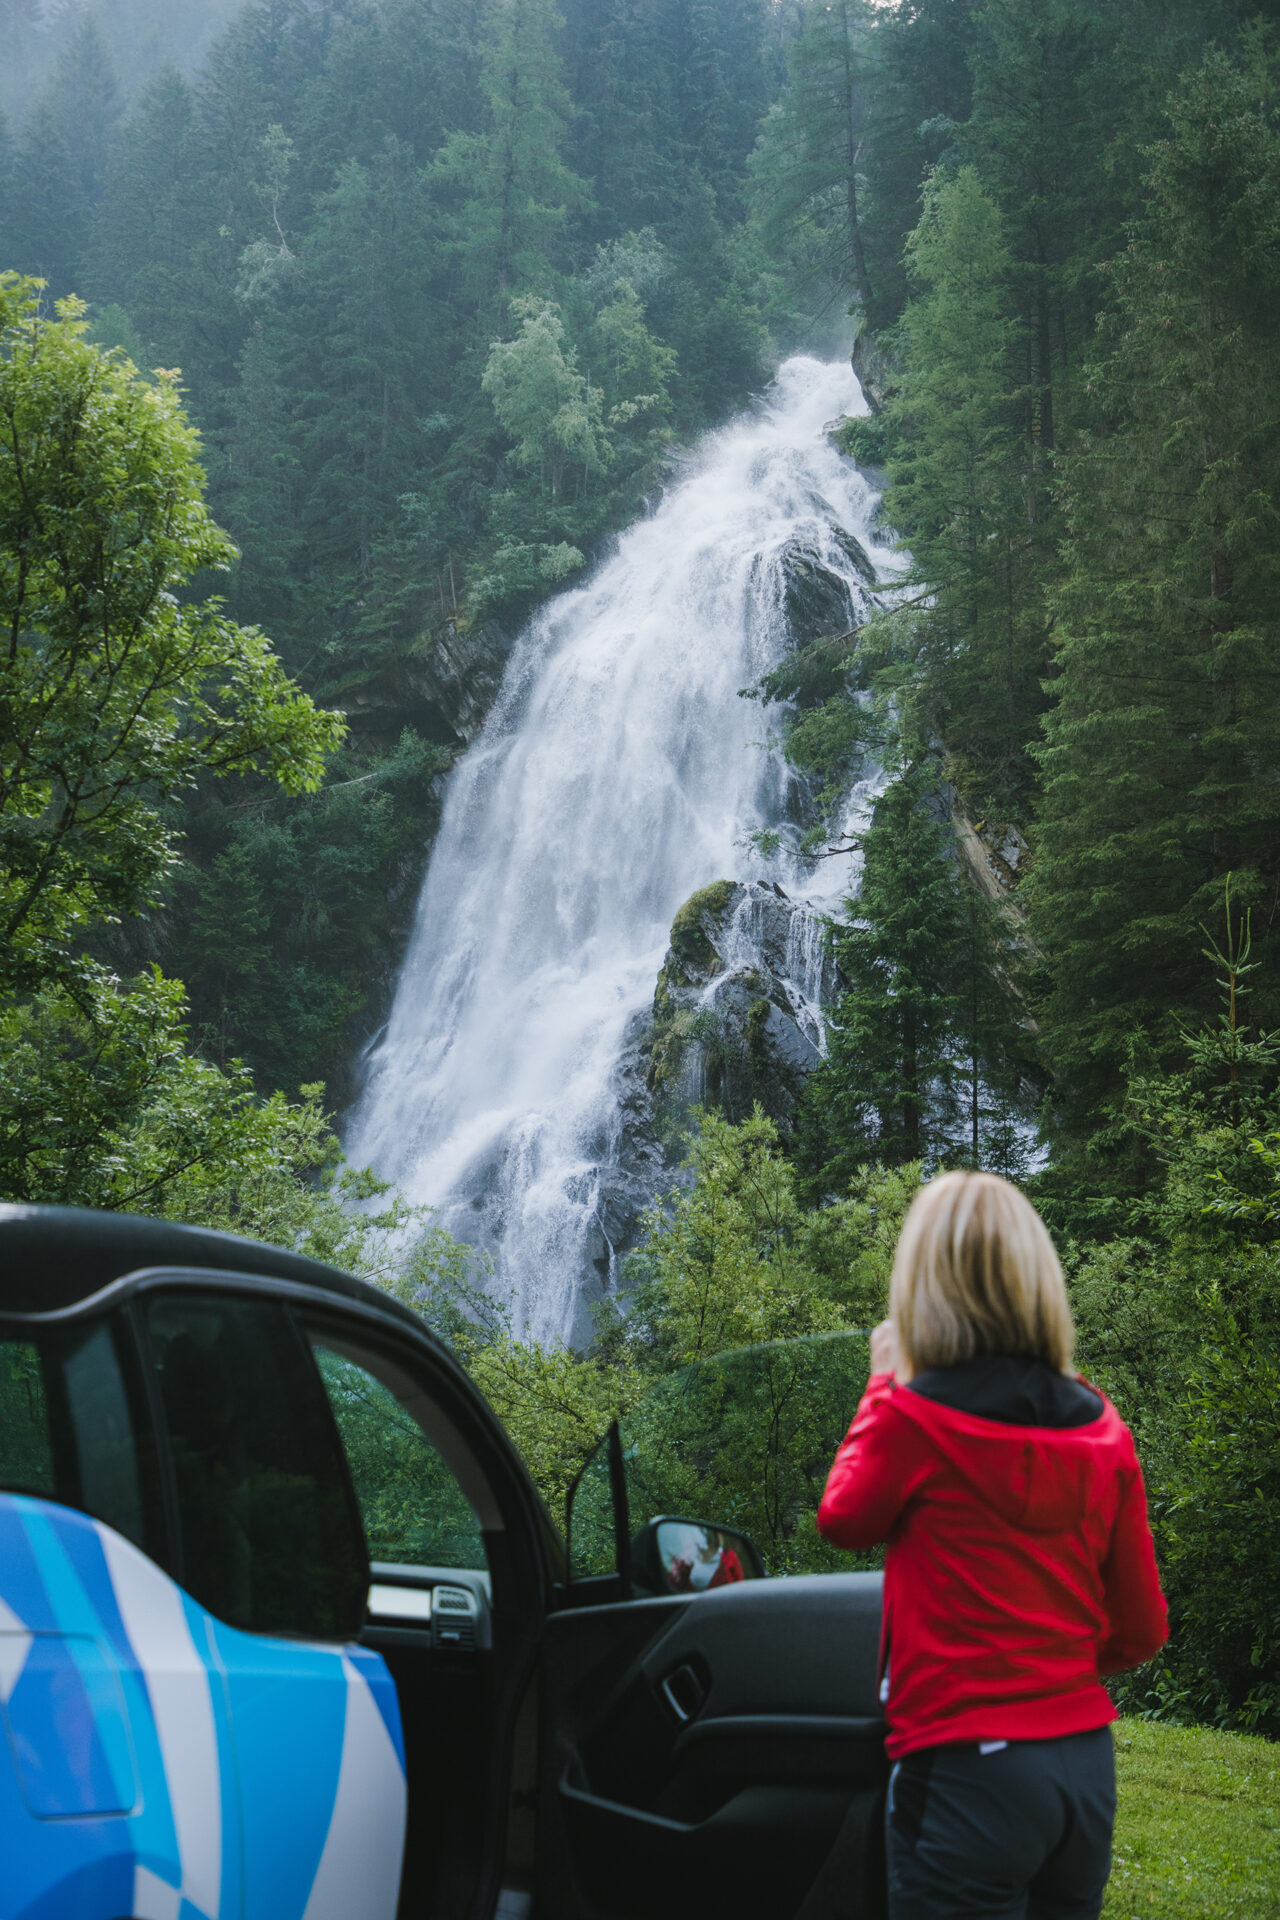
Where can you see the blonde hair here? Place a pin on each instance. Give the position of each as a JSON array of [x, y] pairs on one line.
[[975, 1272]]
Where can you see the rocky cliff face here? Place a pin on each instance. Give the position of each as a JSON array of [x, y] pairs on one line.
[[737, 1011], [871, 364], [442, 689], [736, 1019]]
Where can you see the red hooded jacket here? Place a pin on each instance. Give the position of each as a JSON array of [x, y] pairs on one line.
[[1020, 1565]]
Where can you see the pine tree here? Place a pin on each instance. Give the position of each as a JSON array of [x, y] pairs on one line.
[[624, 137], [919, 105], [142, 234], [1161, 771], [888, 1090], [1049, 94], [507, 184], [83, 97], [721, 92], [48, 221], [20, 36], [406, 70], [334, 383], [959, 491], [808, 170]]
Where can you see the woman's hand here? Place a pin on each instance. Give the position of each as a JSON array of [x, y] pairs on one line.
[[885, 1357]]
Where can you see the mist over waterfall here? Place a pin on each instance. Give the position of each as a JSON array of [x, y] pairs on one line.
[[618, 772]]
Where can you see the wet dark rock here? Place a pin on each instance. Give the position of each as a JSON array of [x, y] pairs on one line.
[[442, 690], [856, 553], [873, 367], [735, 1021], [818, 601], [736, 1013]]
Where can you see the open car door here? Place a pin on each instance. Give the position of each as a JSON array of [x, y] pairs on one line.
[[712, 1739]]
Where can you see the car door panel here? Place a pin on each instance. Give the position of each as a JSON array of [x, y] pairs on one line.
[[228, 1774], [66, 1577], [272, 1548], [726, 1747], [322, 1782], [441, 1661], [171, 1426]]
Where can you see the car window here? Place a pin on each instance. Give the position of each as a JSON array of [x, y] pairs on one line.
[[269, 1539], [26, 1435], [104, 1433], [69, 1429], [590, 1528], [414, 1509]]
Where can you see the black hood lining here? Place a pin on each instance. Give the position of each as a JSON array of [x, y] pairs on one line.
[[1012, 1389]]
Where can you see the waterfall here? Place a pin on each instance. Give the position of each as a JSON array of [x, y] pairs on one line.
[[618, 772]]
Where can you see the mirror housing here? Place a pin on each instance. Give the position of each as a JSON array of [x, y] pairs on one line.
[[673, 1554]]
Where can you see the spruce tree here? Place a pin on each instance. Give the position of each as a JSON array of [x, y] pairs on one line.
[[22, 39], [47, 215], [959, 492], [808, 170], [83, 97], [918, 107], [722, 92], [405, 70], [1161, 767], [142, 234], [334, 383], [888, 1089], [624, 136], [507, 186], [1049, 96]]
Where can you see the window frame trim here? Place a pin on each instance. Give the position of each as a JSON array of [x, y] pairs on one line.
[[118, 1317], [138, 1313], [479, 1425], [487, 1508]]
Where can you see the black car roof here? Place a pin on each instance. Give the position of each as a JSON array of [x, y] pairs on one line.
[[53, 1257]]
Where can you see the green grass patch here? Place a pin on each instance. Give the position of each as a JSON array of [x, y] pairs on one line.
[[1198, 1827]]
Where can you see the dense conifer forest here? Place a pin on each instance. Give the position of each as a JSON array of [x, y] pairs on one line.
[[442, 287]]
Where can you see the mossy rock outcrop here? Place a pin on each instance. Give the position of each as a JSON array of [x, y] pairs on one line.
[[690, 939], [736, 1018], [734, 1021]]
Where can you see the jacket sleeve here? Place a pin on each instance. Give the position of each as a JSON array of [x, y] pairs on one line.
[[1138, 1620], [874, 1472]]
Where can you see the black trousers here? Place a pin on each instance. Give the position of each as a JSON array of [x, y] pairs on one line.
[[1022, 1833]]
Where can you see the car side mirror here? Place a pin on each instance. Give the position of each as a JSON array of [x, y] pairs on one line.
[[675, 1555]]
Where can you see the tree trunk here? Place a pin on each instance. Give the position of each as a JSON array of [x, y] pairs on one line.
[[860, 276], [910, 1083]]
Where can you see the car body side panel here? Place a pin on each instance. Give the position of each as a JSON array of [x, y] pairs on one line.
[[54, 1579], [321, 1775], [186, 1709], [359, 1870], [215, 1775]]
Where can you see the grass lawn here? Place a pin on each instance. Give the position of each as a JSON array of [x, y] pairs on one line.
[[1198, 1829]]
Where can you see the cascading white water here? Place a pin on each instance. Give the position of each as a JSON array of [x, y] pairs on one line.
[[618, 772]]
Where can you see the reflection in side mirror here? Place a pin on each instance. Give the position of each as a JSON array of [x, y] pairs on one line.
[[673, 1555]]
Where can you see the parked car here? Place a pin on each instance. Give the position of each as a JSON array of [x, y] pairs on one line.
[[286, 1632]]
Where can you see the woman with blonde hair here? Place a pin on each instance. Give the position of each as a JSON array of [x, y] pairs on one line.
[[1019, 1569]]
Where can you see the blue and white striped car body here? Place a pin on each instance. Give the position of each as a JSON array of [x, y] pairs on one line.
[[161, 1765]]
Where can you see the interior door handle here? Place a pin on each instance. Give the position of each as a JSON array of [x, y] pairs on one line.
[[684, 1693]]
